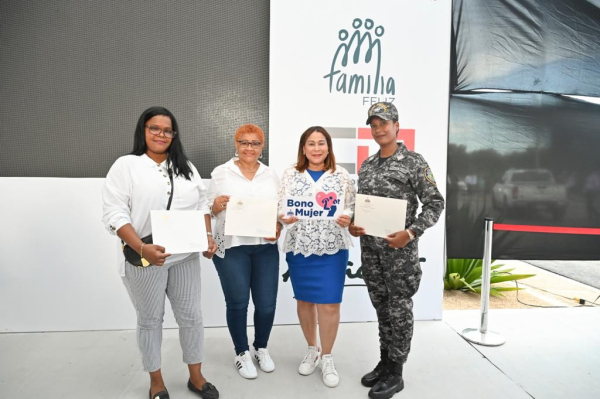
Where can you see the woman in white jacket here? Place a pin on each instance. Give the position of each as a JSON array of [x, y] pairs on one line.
[[157, 174]]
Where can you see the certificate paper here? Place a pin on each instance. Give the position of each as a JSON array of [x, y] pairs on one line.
[[179, 231], [322, 206], [380, 216], [251, 217]]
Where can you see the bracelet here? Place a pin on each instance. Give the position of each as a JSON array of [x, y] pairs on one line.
[[208, 233], [411, 236], [145, 262]]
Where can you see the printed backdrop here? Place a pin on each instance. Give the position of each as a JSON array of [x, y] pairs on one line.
[[329, 62], [78, 75]]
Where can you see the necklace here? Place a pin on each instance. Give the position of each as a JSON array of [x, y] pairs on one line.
[[247, 170]]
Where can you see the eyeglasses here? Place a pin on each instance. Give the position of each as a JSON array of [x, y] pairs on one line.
[[155, 131], [254, 144]]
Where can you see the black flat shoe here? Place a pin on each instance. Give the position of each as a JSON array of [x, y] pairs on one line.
[[159, 395], [208, 390]]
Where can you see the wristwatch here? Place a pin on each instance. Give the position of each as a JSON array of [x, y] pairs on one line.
[[411, 236]]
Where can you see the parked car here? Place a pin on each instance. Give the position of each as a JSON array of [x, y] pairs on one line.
[[530, 188]]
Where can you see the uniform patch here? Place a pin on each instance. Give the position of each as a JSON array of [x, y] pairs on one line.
[[429, 176]]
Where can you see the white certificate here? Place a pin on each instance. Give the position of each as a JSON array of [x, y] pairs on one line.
[[251, 217], [179, 231], [380, 216]]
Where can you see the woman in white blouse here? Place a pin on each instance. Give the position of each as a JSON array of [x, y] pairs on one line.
[[317, 250], [135, 185], [246, 264]]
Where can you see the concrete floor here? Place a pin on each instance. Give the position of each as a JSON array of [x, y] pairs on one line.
[[550, 353]]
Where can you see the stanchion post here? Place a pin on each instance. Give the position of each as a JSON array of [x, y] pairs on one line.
[[481, 335]]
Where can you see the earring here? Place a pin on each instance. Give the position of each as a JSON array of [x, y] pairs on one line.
[[260, 156], [236, 154]]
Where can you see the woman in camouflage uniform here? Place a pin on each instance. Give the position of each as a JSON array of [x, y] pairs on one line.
[[390, 266]]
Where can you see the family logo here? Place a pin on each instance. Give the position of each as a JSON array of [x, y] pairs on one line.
[[323, 206], [356, 50]]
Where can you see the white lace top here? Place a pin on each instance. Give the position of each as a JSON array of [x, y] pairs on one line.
[[317, 237]]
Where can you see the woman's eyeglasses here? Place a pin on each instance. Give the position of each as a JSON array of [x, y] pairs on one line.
[[254, 144], [155, 131]]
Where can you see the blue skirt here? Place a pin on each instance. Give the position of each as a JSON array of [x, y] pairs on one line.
[[318, 279]]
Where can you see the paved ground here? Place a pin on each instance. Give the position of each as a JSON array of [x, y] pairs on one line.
[[586, 272]]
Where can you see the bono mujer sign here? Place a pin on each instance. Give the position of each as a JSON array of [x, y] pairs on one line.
[[320, 206]]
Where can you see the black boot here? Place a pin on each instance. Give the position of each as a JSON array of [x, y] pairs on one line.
[[374, 376], [390, 383]]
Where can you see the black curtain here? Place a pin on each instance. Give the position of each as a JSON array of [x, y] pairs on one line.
[[550, 46], [528, 156]]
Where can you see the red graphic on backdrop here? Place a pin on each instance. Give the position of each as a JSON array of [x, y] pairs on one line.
[[362, 152]]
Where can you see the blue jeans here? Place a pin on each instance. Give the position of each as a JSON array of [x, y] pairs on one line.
[[245, 269]]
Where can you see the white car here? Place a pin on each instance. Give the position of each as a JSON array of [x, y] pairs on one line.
[[530, 188]]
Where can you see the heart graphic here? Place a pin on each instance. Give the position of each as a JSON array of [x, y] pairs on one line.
[[326, 199]]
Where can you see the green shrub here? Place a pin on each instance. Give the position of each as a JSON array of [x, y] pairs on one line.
[[465, 275]]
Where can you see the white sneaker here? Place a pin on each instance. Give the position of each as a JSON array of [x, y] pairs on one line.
[[310, 361], [245, 367], [330, 374], [264, 360]]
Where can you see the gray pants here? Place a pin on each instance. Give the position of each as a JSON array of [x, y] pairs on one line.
[[147, 287], [392, 278]]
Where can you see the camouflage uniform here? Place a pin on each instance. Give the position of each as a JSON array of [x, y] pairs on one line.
[[393, 275]]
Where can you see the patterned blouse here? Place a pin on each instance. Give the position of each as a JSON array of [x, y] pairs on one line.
[[317, 237]]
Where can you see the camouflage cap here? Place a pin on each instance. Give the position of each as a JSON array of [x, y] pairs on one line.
[[385, 111]]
